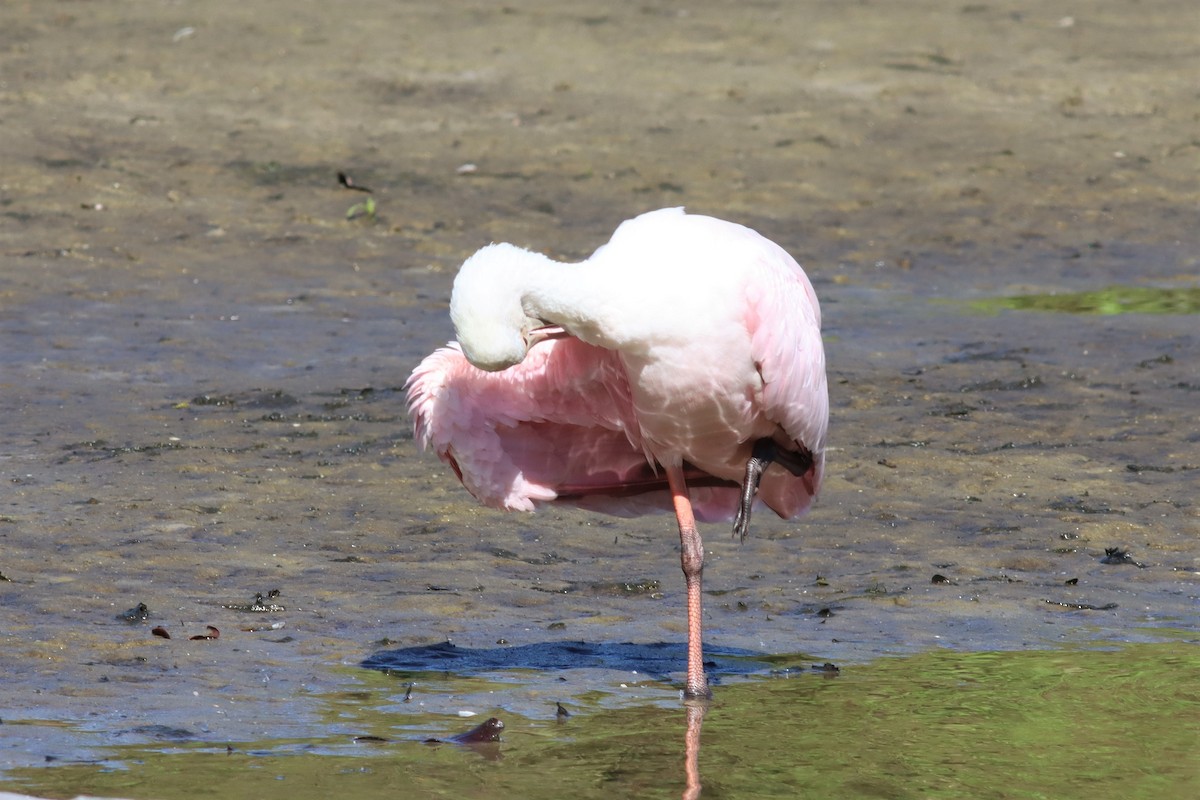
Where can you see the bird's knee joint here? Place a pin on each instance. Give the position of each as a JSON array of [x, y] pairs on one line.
[[691, 557]]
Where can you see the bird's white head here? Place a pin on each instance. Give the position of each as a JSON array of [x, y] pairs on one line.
[[487, 306]]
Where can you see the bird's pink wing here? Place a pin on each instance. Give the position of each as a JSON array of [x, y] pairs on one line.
[[784, 321], [560, 423]]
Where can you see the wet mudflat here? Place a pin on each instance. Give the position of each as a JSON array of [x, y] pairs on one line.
[[1067, 723], [201, 358]]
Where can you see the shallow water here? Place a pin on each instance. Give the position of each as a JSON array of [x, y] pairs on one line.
[[1068, 724], [200, 354]]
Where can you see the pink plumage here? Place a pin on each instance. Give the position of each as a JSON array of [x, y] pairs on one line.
[[619, 382]]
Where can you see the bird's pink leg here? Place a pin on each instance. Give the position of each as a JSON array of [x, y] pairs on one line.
[[691, 556]]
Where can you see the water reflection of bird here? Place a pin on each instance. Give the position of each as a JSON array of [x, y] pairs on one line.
[[686, 352]]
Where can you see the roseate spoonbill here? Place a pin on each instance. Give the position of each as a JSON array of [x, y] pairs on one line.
[[685, 352]]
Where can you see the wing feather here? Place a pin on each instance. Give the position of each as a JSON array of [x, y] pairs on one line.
[[784, 320], [560, 421]]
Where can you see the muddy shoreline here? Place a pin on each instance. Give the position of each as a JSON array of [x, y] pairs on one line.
[[201, 356]]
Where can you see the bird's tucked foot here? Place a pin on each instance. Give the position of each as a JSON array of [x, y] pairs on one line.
[[758, 461], [765, 453]]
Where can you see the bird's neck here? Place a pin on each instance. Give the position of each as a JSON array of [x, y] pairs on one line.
[[570, 295]]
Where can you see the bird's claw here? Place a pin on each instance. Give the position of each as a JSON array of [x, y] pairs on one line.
[[765, 453], [760, 457], [741, 523]]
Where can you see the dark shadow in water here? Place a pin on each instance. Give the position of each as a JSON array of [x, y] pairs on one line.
[[658, 659]]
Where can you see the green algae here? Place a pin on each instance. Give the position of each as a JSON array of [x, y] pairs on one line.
[[1077, 723], [1108, 301]]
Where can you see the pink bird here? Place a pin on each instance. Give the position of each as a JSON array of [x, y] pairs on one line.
[[667, 371]]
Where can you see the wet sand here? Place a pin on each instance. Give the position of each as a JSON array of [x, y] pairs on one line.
[[200, 355]]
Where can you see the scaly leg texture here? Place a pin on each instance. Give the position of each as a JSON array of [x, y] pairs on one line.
[[765, 453], [691, 557]]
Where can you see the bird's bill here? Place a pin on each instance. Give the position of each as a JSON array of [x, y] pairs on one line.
[[545, 333]]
